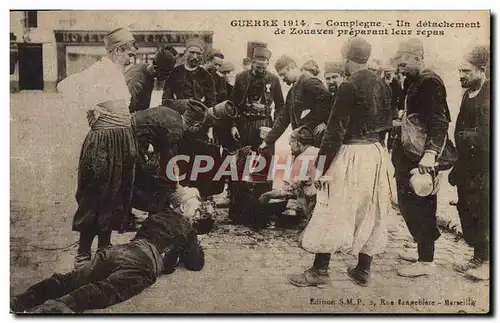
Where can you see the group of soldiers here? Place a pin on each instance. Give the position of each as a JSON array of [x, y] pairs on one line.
[[345, 121]]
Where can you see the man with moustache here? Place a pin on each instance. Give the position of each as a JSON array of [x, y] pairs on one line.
[[334, 76], [190, 81], [425, 99], [214, 61], [307, 102], [471, 172], [253, 94]]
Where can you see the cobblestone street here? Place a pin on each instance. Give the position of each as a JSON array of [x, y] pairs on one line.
[[244, 271]]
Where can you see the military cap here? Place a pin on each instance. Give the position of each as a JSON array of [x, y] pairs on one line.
[[283, 62], [311, 66], [334, 67], [261, 52], [357, 49], [303, 134], [118, 37], [195, 42], [479, 56], [412, 46], [215, 53], [226, 66], [196, 111]]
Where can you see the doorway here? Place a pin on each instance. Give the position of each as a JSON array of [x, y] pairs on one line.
[[30, 67]]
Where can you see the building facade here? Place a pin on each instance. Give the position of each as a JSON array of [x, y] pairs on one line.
[[47, 46]]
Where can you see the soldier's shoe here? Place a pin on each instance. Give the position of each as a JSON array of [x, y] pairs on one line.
[[409, 255], [81, 259], [420, 268], [310, 277], [482, 272], [465, 266], [52, 306], [360, 276]]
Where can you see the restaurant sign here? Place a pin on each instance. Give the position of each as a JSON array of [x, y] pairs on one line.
[[79, 37]]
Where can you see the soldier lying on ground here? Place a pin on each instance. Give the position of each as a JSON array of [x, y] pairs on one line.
[[117, 273]]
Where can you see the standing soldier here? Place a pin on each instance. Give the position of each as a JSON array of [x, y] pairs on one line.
[[222, 132], [471, 173], [109, 152], [254, 92], [190, 81], [352, 205], [215, 60], [227, 72], [334, 76], [193, 82], [426, 105], [141, 77], [306, 103]]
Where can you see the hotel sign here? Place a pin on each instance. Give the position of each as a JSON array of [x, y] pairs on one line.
[[82, 37]]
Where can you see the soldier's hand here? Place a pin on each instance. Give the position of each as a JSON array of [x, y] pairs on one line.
[[210, 135], [427, 163], [264, 198], [320, 129], [150, 149], [235, 133]]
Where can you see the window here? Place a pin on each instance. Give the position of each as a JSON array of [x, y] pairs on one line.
[[31, 19]]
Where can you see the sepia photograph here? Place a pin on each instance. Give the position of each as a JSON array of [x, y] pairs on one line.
[[237, 161]]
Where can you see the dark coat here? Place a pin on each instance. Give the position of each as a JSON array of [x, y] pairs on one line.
[[140, 83], [202, 86], [175, 238], [397, 97], [362, 109], [427, 96], [472, 132], [242, 83], [161, 127], [308, 93]]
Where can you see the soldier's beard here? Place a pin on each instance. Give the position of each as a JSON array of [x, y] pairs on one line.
[[332, 88], [193, 62], [473, 85]]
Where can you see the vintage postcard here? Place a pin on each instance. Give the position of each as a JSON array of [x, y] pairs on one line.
[[250, 162]]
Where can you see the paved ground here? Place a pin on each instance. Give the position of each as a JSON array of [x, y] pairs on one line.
[[244, 272]]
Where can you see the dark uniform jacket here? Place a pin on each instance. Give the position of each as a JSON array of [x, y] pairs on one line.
[[427, 96], [220, 86], [362, 110], [472, 132], [308, 93], [140, 84], [271, 92], [175, 239], [397, 97], [161, 127], [184, 84]]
